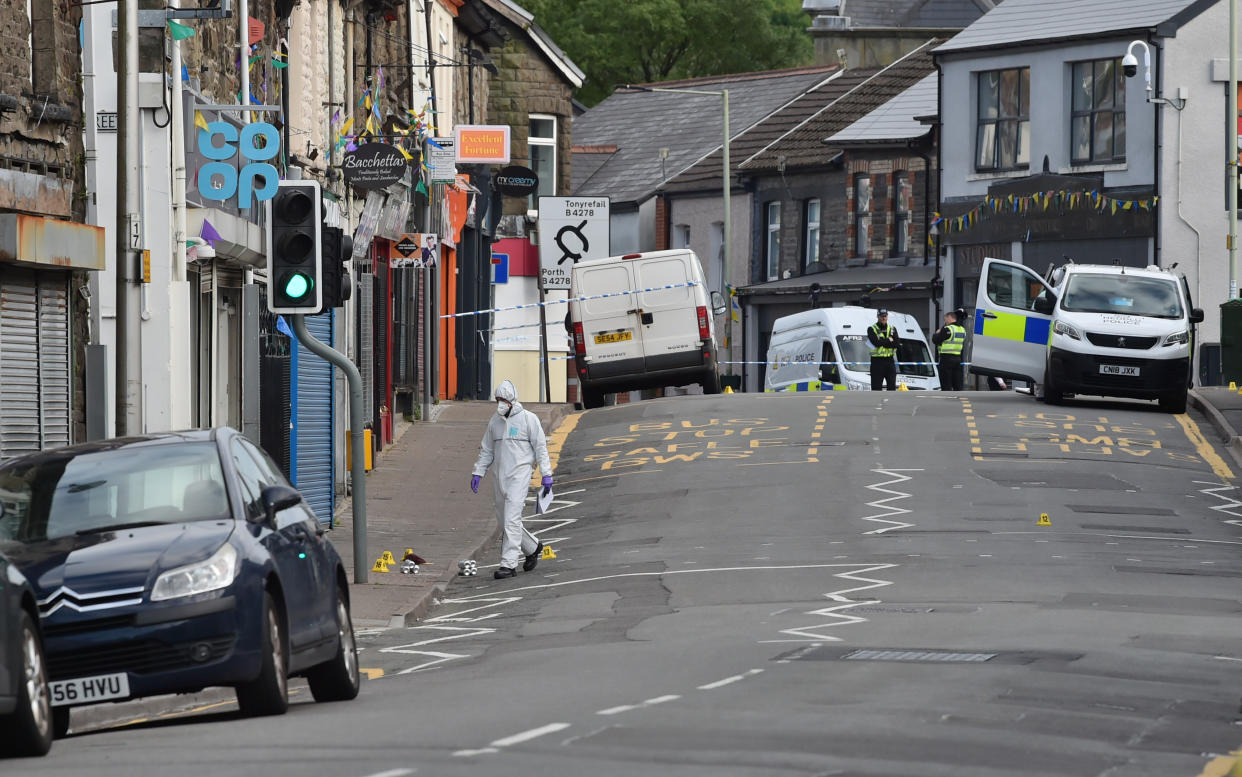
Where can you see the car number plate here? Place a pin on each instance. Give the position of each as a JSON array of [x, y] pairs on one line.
[[613, 337], [87, 690], [1117, 369]]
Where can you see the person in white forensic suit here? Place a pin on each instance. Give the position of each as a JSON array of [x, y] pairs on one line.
[[515, 443]]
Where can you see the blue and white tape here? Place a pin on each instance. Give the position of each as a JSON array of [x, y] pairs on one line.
[[837, 364]]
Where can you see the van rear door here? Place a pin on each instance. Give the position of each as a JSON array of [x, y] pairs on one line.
[[670, 326], [1010, 337], [610, 329]]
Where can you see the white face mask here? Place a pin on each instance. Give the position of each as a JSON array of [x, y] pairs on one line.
[[503, 407]]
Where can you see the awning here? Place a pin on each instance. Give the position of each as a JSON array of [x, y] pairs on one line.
[[36, 241], [235, 239], [847, 280]]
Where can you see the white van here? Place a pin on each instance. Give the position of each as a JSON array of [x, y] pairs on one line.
[[1103, 330], [647, 322], [829, 346]]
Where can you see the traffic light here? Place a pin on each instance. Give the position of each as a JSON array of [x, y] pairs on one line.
[[295, 248], [337, 249]]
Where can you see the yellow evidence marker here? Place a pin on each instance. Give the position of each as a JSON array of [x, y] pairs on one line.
[[1044, 520], [1233, 386], [547, 552], [902, 387], [387, 557], [380, 565]]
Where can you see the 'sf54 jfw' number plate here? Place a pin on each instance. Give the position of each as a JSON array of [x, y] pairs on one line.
[[613, 337]]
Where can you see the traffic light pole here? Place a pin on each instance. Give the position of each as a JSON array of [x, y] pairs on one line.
[[357, 468]]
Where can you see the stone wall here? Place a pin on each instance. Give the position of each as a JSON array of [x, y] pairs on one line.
[[528, 83]]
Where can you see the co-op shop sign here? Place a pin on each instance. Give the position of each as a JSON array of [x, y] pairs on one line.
[[221, 179]]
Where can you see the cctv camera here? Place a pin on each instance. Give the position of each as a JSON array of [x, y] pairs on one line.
[[1129, 65]]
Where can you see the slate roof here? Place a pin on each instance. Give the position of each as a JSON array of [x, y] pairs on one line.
[[1031, 21], [803, 145], [688, 125], [930, 14], [705, 174], [896, 119]]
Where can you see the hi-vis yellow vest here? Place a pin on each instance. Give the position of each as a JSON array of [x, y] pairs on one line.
[[882, 351], [957, 339]]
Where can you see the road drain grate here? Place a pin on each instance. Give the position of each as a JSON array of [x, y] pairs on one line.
[[918, 655]]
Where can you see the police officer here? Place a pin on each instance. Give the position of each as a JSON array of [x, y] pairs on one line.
[[951, 338], [883, 338]]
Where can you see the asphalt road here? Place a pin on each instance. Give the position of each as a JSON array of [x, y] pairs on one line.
[[850, 583]]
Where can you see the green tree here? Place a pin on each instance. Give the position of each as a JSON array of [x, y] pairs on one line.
[[639, 41]]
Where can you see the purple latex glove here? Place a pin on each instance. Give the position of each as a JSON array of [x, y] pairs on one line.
[[474, 483], [547, 481]]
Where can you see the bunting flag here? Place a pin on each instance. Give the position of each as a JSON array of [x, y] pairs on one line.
[[408, 156], [199, 121], [180, 31], [1040, 202], [209, 233], [276, 63]]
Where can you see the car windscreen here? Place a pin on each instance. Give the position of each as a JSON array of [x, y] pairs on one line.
[[1124, 294], [913, 358], [855, 352], [59, 496]]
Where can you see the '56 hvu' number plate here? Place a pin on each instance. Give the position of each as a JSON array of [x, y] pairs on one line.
[[88, 690]]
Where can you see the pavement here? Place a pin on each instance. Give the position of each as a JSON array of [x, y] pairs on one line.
[[418, 497], [1223, 409]]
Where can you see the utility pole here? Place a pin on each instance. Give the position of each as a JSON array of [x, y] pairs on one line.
[[1231, 158], [128, 229]]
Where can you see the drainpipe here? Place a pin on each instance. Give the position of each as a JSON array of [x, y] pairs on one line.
[[1157, 151], [177, 127]]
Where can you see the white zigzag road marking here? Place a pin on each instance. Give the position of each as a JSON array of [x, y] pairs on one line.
[[814, 633], [1229, 502], [881, 504], [437, 659], [490, 603], [457, 632]]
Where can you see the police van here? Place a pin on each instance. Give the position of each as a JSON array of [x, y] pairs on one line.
[[643, 320], [1101, 330], [827, 349]]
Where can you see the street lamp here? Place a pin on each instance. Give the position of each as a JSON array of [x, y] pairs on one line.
[[726, 186]]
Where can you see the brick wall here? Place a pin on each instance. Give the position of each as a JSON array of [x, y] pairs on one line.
[[528, 83], [882, 169]]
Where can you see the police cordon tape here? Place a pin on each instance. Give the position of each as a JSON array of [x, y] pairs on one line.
[[840, 364], [547, 303]]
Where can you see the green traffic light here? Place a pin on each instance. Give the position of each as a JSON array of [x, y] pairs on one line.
[[297, 286]]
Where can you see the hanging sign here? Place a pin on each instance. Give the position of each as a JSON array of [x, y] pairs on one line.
[[221, 180], [516, 181], [373, 166], [482, 143], [418, 250], [442, 160]]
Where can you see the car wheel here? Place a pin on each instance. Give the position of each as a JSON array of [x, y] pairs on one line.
[[268, 694], [337, 680], [1174, 403], [710, 382], [60, 722], [30, 723], [592, 397]]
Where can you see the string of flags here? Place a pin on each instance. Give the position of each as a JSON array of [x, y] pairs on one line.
[[1040, 202]]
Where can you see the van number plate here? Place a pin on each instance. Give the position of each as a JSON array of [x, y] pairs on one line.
[[613, 337], [1117, 369]]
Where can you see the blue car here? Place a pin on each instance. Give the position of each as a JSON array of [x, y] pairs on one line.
[[171, 562], [25, 702]]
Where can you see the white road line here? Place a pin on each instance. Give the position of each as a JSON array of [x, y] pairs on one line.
[[480, 751], [617, 710], [661, 699], [534, 733], [1229, 503], [393, 773], [881, 504], [729, 680]]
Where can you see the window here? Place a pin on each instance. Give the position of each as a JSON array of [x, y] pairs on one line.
[[1098, 116], [542, 143], [1013, 287], [681, 236], [810, 251], [1003, 138], [862, 215], [774, 240], [903, 202]]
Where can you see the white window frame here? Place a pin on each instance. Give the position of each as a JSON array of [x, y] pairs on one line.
[[773, 251], [681, 236], [862, 216], [543, 142], [810, 249], [902, 212]]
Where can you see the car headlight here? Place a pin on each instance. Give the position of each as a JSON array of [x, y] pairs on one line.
[[857, 385], [1062, 328], [1178, 338], [198, 578]]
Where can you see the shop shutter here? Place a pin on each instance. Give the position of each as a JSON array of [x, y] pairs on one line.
[[312, 412], [366, 343], [19, 364], [54, 360]]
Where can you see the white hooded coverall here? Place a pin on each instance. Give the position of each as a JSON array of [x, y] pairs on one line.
[[514, 443]]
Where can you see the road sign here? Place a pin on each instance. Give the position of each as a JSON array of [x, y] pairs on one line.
[[570, 229], [500, 268], [441, 160]]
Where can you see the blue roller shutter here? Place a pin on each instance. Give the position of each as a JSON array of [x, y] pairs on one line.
[[312, 415]]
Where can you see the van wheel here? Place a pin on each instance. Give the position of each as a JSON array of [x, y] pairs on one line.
[[1052, 392], [592, 397], [710, 382], [1173, 403]]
